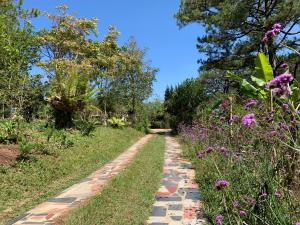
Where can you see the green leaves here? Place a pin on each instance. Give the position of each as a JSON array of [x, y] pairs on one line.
[[263, 68]]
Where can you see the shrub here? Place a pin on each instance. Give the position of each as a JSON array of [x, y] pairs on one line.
[[25, 148], [85, 127], [8, 132], [116, 123]]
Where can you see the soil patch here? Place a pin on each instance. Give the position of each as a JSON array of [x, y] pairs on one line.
[[8, 153]]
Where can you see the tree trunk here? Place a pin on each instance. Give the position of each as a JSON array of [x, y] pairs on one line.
[[63, 119]]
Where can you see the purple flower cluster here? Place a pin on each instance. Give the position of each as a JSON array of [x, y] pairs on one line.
[[193, 133], [263, 195], [224, 151], [276, 29], [279, 83], [236, 204], [219, 219], [209, 150], [281, 79], [250, 103], [243, 213], [249, 119], [277, 194], [284, 66], [221, 184], [284, 126], [285, 107], [234, 118]]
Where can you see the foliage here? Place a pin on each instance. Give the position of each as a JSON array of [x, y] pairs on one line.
[[182, 101], [73, 62], [124, 94], [254, 159], [8, 132], [19, 51], [116, 122], [234, 29], [26, 149], [86, 126]]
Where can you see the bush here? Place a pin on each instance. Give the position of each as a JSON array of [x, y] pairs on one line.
[[25, 148], [85, 127], [8, 132], [116, 123]]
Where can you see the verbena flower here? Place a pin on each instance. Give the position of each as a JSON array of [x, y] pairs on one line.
[[236, 204], [280, 81], [263, 195], [234, 118], [277, 194], [221, 184], [276, 29], [285, 107], [201, 155], [224, 151], [284, 66], [209, 150], [219, 219], [243, 213], [249, 119], [250, 103]]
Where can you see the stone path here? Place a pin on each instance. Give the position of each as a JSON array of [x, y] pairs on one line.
[[178, 198], [50, 211]]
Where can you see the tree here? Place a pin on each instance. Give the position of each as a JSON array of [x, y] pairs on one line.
[[73, 63], [134, 84], [19, 51], [182, 101], [234, 29]]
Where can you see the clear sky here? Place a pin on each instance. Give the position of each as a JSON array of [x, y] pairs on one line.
[[153, 25]]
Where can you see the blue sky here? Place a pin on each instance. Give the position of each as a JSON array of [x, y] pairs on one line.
[[153, 25]]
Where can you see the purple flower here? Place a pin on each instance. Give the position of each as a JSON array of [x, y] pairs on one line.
[[209, 150], [276, 28], [249, 119], [221, 184], [219, 219], [277, 194], [263, 195], [250, 103], [280, 81], [284, 126], [224, 151], [284, 66], [200, 155], [285, 107], [236, 204], [234, 118], [243, 213], [297, 223], [272, 133]]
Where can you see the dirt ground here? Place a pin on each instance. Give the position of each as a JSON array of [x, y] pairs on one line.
[[8, 153]]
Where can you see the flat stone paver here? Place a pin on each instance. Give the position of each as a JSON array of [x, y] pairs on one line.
[[178, 198], [48, 212]]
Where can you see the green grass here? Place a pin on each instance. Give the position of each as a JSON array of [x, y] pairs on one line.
[[130, 195], [25, 185]]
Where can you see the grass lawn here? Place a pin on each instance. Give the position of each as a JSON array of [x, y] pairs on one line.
[[25, 185], [130, 195]]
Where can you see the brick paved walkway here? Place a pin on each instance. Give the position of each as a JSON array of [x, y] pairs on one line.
[[178, 198], [48, 212]]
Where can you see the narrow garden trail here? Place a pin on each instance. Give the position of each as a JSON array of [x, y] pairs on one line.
[[178, 198], [53, 209]]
